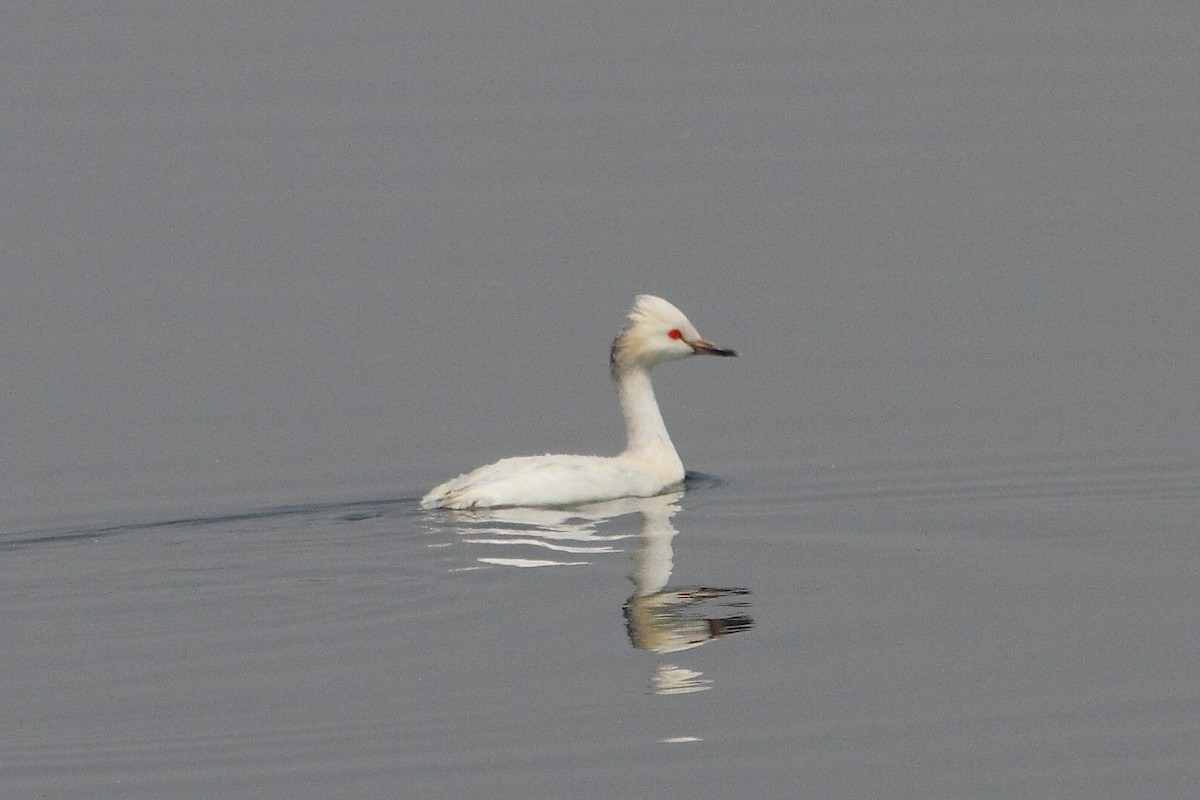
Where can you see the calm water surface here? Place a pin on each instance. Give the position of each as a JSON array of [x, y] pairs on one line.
[[268, 275], [910, 630]]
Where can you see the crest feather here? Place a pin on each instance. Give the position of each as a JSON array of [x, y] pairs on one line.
[[649, 315]]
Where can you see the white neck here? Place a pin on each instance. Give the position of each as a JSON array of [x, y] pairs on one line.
[[643, 421]]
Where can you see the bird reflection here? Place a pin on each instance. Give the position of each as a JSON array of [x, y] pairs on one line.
[[665, 619], [558, 536], [658, 617]]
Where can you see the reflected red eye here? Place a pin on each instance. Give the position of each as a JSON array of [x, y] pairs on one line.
[[675, 333]]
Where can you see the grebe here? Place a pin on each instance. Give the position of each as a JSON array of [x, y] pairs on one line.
[[654, 331]]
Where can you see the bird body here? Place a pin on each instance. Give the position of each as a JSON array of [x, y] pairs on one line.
[[555, 480], [654, 331]]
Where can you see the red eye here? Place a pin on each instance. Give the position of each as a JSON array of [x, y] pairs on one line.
[[675, 333]]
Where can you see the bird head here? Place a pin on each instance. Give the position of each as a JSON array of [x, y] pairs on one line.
[[657, 331]]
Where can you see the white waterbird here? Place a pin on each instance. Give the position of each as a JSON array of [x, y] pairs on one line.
[[654, 331]]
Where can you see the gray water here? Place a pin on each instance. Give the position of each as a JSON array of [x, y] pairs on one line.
[[269, 273]]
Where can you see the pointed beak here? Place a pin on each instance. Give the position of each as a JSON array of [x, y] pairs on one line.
[[704, 347]]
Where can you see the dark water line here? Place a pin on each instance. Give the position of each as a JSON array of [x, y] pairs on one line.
[[350, 511]]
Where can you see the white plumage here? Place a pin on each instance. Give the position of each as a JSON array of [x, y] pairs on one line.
[[654, 331]]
